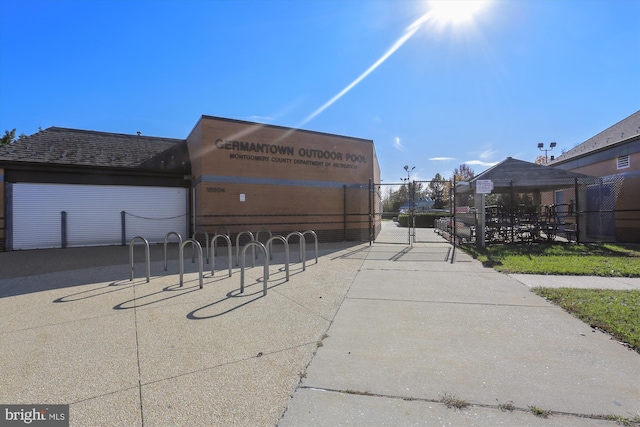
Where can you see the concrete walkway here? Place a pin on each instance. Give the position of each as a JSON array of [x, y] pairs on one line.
[[370, 335], [133, 353], [417, 334], [584, 282]]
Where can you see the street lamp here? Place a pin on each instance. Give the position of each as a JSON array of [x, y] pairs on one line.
[[407, 181], [406, 167], [546, 150]]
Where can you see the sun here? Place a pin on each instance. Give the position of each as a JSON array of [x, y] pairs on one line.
[[455, 11]]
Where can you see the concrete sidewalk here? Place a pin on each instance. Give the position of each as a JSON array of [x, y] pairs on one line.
[[370, 335], [416, 334], [123, 352], [584, 282]]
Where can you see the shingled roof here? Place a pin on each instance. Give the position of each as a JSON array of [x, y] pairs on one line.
[[62, 146], [621, 131], [524, 176]]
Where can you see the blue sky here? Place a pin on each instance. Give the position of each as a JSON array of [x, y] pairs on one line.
[[520, 73]]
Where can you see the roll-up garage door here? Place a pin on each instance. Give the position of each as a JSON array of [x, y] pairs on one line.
[[93, 214]]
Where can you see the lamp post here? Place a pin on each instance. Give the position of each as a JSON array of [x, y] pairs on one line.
[[410, 222], [407, 180], [546, 150]]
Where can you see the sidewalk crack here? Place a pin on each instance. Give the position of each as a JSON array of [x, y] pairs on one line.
[[135, 316]]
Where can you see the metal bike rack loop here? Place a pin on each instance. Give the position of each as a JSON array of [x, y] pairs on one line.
[[315, 238], [263, 230], [146, 251], [269, 245], [265, 273], [303, 247], [229, 252], [214, 248], [198, 246], [206, 240], [238, 246], [166, 239]]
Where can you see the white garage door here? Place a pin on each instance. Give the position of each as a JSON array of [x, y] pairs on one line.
[[93, 214]]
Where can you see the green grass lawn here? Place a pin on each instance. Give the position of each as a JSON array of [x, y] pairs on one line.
[[614, 311], [607, 260]]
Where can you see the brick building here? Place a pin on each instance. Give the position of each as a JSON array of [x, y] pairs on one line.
[[69, 187], [613, 201]]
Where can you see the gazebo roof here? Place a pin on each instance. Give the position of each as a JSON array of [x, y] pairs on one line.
[[524, 177]]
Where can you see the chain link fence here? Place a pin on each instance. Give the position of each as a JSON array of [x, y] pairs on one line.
[[589, 210]]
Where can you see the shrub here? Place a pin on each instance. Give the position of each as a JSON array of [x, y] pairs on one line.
[[423, 219]]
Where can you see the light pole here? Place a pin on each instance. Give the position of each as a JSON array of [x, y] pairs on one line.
[[546, 150], [410, 221], [407, 180]]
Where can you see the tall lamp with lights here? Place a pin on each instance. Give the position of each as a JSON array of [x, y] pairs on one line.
[[546, 150]]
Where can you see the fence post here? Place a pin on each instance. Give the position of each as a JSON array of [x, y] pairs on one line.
[[63, 229], [512, 219], [453, 210], [370, 213], [123, 228], [577, 211], [345, 211]]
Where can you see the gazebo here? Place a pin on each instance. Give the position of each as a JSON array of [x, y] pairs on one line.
[[558, 196]]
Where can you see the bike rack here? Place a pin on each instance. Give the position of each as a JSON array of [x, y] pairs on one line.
[[206, 240], [238, 246], [315, 238], [166, 239], [286, 251], [214, 248], [146, 251], [253, 244], [302, 246], [196, 245], [263, 230], [229, 252]]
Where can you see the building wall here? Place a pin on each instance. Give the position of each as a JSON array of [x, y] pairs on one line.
[[626, 201], [3, 214], [249, 176], [627, 217], [609, 166]]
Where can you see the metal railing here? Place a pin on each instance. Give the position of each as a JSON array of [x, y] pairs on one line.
[[302, 246], [238, 246], [166, 239], [263, 230], [206, 240], [226, 232], [198, 247], [269, 245], [254, 244], [146, 247], [315, 238], [229, 252]]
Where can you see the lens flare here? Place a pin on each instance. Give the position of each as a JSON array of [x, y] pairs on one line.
[[455, 11], [441, 12], [402, 40]]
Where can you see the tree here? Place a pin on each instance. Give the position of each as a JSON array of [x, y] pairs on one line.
[[8, 138], [418, 190], [436, 190], [386, 199], [541, 160], [393, 200], [465, 173]]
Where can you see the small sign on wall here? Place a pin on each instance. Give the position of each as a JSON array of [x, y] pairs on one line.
[[484, 186], [242, 198]]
